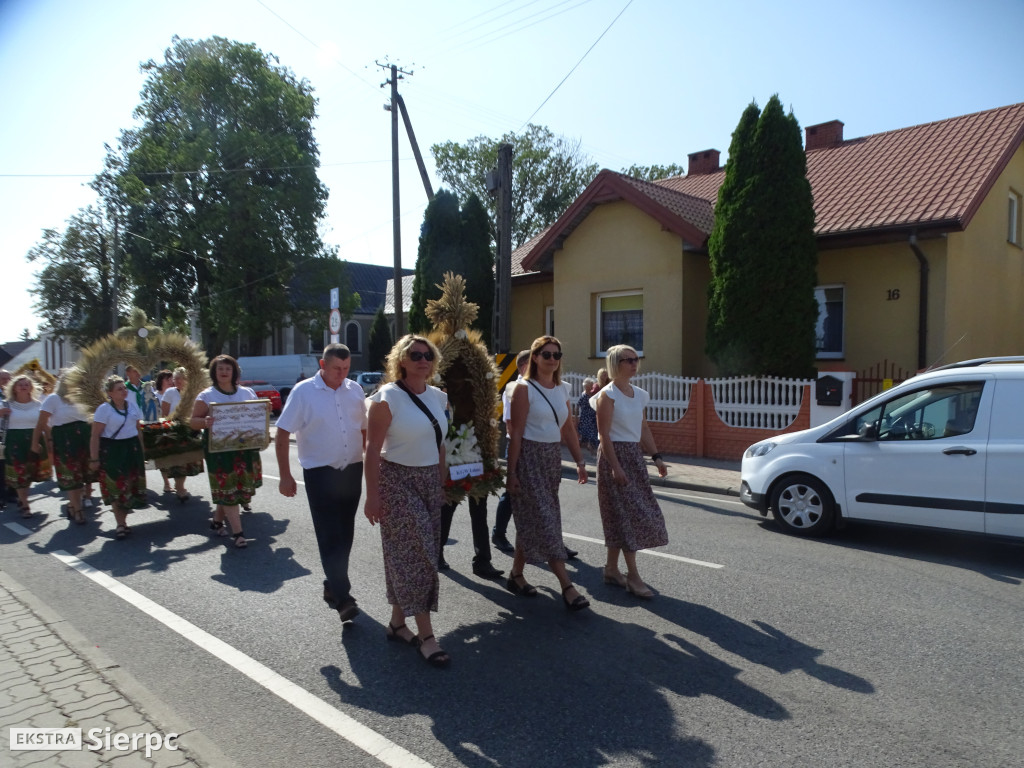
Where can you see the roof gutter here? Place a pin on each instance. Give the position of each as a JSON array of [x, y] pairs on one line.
[[922, 303]]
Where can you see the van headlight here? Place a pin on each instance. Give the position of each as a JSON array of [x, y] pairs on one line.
[[759, 449]]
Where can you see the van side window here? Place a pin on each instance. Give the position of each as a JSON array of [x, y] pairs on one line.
[[947, 410]]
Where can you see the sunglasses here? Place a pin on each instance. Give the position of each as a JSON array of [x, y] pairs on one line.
[[416, 356], [548, 355], [630, 360]]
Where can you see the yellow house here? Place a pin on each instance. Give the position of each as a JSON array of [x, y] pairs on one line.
[[920, 258]]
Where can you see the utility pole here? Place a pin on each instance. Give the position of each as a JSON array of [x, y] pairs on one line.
[[503, 337], [114, 277]]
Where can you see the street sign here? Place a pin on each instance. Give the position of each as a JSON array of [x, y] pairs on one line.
[[334, 324]]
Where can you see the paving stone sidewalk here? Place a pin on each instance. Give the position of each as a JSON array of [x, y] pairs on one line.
[[51, 678]]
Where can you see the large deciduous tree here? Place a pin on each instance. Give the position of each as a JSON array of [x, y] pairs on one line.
[[761, 305], [548, 171], [654, 172], [221, 187], [75, 292]]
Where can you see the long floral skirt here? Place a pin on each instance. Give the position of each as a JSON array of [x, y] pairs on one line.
[[234, 476], [71, 455], [122, 473], [630, 514], [410, 534], [191, 469], [23, 466], [535, 508]]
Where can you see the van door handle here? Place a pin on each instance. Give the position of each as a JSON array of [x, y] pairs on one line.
[[960, 450]]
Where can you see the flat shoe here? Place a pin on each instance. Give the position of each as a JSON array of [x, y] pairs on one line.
[[615, 578], [348, 611], [485, 570], [121, 532], [182, 498], [524, 590], [438, 658], [391, 633], [643, 594]]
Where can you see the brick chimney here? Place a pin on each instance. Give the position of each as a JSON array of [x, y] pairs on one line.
[[823, 135], [703, 162]]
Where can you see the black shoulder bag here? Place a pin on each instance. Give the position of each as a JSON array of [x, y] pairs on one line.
[[553, 411], [419, 404]]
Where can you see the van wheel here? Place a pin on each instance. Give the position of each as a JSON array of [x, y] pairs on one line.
[[803, 505]]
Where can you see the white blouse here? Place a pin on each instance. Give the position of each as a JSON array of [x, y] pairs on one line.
[[62, 411], [23, 415], [411, 439], [543, 425], [628, 413], [124, 425], [214, 395]]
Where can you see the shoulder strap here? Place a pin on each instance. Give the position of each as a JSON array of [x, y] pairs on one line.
[[419, 404], [553, 411]]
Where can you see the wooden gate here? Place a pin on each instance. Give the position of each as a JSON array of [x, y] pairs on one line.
[[881, 376]]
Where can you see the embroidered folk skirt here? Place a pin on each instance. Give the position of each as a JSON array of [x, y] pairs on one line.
[[191, 469], [23, 466], [234, 476], [410, 535], [535, 507], [630, 514], [71, 455], [122, 473]]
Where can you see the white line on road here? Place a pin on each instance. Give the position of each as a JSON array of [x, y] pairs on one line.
[[717, 497], [352, 730], [21, 530], [648, 552]]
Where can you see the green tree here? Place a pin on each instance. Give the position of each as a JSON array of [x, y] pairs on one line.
[[549, 172], [440, 249], [654, 172], [380, 341], [478, 263], [763, 253], [221, 186], [74, 295]]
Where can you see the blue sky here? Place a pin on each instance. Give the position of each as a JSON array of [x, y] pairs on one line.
[[668, 78]]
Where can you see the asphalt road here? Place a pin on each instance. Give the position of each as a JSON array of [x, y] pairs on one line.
[[879, 647]]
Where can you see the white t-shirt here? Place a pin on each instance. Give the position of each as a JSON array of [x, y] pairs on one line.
[[23, 415], [327, 423], [172, 396], [411, 439], [543, 426], [62, 411], [112, 420], [213, 395], [628, 413], [506, 399]]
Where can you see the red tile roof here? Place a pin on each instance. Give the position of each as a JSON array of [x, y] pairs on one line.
[[931, 176]]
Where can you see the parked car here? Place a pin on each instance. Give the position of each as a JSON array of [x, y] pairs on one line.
[[369, 381], [944, 449], [269, 391]]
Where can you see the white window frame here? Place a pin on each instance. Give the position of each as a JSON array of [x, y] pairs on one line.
[[1013, 223], [600, 349], [818, 327]]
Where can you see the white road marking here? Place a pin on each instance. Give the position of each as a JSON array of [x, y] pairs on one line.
[[21, 530], [352, 730], [717, 497], [648, 552], [271, 477]]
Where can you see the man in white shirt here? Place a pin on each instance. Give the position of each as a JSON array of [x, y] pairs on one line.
[[327, 414]]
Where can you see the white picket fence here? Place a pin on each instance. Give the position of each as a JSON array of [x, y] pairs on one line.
[[745, 401]]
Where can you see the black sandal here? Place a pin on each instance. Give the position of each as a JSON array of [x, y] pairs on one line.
[[438, 658], [121, 531], [240, 542], [576, 605], [217, 526], [392, 635], [525, 590]]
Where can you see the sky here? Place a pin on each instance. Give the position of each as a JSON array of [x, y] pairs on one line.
[[634, 81]]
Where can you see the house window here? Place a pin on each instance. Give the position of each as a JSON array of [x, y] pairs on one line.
[[1013, 227], [352, 337], [549, 321], [620, 320], [829, 329]]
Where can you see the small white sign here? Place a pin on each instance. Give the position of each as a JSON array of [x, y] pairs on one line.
[[46, 739], [460, 471]]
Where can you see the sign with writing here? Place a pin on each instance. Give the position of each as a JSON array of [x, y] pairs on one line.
[[460, 471], [240, 426]]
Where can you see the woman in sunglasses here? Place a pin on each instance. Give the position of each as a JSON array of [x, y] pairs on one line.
[[540, 424], [630, 514], [404, 470]]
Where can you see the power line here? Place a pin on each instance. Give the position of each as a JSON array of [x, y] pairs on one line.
[[538, 109]]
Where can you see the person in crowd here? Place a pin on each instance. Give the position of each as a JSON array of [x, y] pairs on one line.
[[602, 378], [69, 426], [234, 475], [164, 380], [327, 414], [136, 389], [5, 415], [540, 423], [630, 514], [170, 396], [586, 424], [405, 468], [116, 451], [22, 467]]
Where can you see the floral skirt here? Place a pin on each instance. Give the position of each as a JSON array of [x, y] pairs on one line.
[[122, 473], [191, 469], [234, 476], [410, 534], [630, 514], [23, 466], [71, 455], [535, 508]]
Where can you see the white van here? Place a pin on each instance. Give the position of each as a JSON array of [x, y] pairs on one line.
[[283, 371], [944, 449]]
